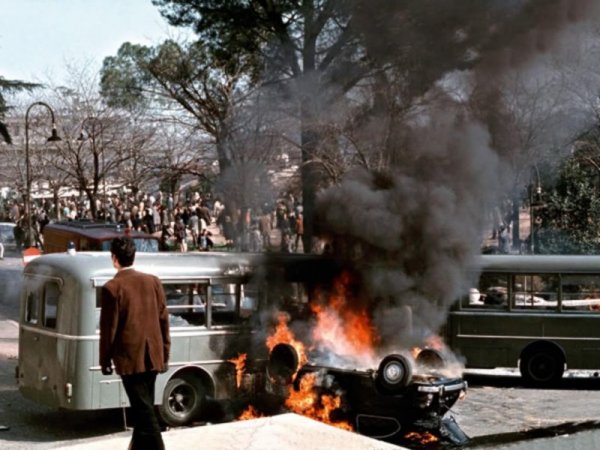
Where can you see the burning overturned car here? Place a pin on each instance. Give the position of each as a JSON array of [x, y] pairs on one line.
[[390, 403], [326, 362]]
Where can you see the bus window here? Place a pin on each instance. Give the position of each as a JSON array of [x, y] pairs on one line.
[[223, 304], [51, 294], [249, 301], [31, 309], [581, 293], [491, 292], [186, 304], [538, 291]]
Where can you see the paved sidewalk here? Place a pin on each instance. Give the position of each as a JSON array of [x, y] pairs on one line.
[[283, 432], [294, 432]]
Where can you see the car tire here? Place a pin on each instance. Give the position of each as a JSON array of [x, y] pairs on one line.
[[394, 373], [283, 363], [430, 359], [183, 398]]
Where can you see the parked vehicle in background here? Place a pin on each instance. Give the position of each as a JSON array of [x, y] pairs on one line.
[[93, 236], [7, 236], [538, 312]]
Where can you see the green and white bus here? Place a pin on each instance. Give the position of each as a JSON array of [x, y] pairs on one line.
[[538, 312]]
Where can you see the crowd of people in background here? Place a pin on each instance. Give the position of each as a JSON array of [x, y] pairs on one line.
[[192, 224]]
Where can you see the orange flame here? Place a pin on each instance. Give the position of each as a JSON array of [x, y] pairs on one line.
[[307, 402], [250, 413], [415, 352], [341, 328], [240, 365], [421, 438], [283, 335], [433, 341], [344, 330]]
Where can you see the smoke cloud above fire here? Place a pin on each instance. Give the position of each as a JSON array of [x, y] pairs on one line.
[[413, 231]]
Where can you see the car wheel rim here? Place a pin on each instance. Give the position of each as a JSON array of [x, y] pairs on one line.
[[393, 373]]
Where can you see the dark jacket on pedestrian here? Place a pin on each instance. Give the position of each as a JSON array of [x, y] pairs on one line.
[[134, 322]]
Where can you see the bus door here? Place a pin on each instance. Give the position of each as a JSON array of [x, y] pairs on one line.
[[41, 361]]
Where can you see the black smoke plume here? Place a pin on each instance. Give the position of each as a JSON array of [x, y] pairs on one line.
[[413, 231]]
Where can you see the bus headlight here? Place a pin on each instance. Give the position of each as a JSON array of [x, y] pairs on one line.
[[68, 390]]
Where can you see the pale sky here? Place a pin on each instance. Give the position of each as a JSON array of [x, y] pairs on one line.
[[37, 37]]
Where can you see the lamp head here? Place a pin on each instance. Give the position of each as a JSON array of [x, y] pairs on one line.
[[55, 137]]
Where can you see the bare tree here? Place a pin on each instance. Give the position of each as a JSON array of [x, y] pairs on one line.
[[98, 142]]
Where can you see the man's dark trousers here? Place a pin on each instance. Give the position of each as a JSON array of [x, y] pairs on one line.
[[146, 430]]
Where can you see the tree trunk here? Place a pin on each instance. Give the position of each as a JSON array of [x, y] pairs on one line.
[[310, 181], [92, 199], [516, 237], [222, 155], [309, 135], [56, 199]]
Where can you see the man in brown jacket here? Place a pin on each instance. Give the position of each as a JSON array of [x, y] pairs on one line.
[[134, 335]]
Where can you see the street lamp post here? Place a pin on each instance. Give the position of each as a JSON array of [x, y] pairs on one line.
[[53, 138]]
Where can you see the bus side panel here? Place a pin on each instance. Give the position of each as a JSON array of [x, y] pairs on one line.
[[497, 339], [210, 350], [112, 393], [36, 374], [107, 390], [230, 346], [180, 347], [579, 336], [492, 340], [179, 358]]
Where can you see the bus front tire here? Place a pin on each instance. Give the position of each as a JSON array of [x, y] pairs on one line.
[[542, 366], [182, 401]]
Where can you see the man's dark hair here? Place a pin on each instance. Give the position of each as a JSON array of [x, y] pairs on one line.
[[124, 250]]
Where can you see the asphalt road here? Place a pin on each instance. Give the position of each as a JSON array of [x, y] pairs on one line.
[[496, 411]]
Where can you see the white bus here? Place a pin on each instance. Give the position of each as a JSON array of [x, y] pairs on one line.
[[538, 312], [212, 306]]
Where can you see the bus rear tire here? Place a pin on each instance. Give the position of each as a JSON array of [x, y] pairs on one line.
[[182, 401], [542, 366]]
